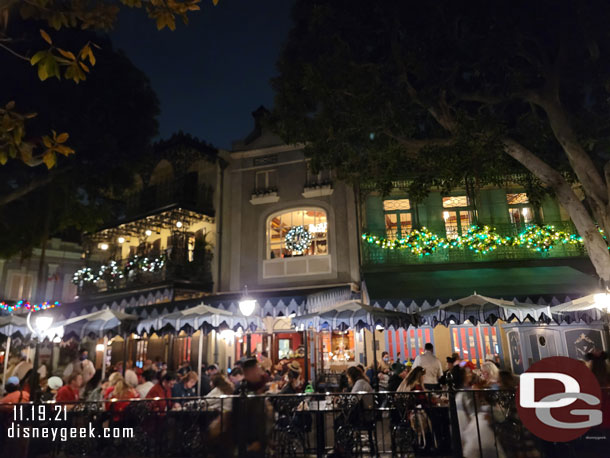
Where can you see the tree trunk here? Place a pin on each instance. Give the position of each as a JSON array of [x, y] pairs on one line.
[[589, 177], [595, 244]]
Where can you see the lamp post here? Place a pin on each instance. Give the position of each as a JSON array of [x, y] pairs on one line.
[[43, 324], [246, 307], [602, 302]]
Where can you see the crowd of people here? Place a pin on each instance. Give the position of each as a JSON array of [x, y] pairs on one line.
[[425, 376]]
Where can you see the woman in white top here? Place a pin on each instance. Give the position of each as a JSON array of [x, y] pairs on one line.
[[222, 386]]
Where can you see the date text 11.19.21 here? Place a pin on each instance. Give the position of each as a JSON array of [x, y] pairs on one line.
[[40, 413]]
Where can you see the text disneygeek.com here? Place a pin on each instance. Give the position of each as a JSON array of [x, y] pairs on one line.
[[16, 431]]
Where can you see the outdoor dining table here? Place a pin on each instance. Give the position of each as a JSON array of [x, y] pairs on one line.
[[322, 408]]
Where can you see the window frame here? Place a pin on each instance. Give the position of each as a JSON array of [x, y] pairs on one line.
[[519, 207], [267, 174], [399, 232], [458, 210], [268, 233]]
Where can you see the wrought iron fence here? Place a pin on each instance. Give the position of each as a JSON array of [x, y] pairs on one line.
[[482, 423]]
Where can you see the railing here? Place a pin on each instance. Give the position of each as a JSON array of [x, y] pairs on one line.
[[441, 423], [375, 255], [154, 267]]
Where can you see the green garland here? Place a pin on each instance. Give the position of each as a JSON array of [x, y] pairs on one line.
[[481, 240]]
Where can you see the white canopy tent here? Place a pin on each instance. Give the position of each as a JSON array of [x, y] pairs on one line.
[[593, 307], [477, 308], [199, 317], [353, 315]]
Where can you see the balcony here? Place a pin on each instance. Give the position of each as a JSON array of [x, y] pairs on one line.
[[145, 270], [376, 256]]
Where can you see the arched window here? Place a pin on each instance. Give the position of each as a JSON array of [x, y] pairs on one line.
[[297, 232]]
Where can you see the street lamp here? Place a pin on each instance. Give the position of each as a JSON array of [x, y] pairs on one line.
[[246, 307], [43, 324]]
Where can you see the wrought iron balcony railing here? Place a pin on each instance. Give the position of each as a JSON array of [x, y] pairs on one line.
[[143, 270]]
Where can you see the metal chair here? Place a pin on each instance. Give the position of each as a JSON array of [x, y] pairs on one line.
[[355, 421]]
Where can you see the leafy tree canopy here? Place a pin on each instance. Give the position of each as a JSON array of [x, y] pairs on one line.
[[442, 91], [358, 80], [111, 118], [72, 61]]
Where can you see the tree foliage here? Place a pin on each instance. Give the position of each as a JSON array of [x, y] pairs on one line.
[[111, 118], [444, 91], [72, 61]]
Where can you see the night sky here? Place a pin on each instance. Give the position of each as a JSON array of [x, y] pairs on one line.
[[211, 74]]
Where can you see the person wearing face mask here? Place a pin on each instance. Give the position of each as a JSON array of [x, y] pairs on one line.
[[385, 362]]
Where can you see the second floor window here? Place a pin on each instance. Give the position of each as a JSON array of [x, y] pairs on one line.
[[299, 232], [266, 180], [20, 286], [323, 177], [398, 218], [519, 209], [458, 215]]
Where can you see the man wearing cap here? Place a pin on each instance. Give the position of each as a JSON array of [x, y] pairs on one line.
[[14, 392], [399, 372], [434, 369]]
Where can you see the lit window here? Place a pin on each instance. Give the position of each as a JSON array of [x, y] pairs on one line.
[[519, 210], [398, 218], [459, 219], [455, 201], [311, 220], [401, 204], [519, 198]]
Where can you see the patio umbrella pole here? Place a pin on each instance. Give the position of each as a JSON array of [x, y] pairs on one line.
[[124, 353], [199, 361], [366, 355], [306, 355], [7, 353], [104, 357]]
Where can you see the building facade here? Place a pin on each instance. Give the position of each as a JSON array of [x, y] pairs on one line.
[[32, 281]]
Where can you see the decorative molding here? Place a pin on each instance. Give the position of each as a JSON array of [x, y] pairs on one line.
[[317, 190], [266, 198]]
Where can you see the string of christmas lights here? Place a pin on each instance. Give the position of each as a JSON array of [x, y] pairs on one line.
[[27, 306], [111, 272], [481, 240]]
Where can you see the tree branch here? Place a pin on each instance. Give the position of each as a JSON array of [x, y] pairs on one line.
[[30, 187], [413, 146], [594, 243], [16, 54]]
